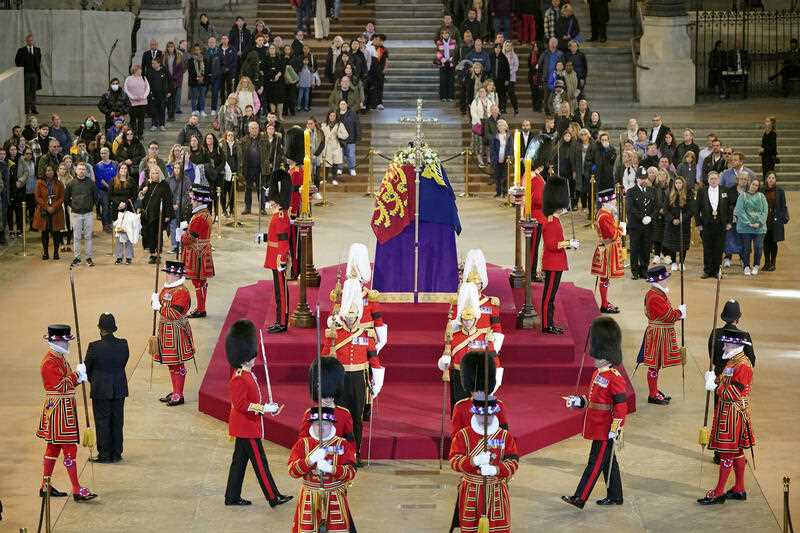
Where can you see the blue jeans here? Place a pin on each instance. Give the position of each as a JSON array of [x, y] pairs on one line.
[[502, 25], [105, 209], [216, 84], [177, 95], [754, 241], [303, 94], [197, 96], [173, 226], [350, 155]]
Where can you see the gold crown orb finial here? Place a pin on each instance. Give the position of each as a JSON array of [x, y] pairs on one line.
[[473, 276], [468, 314]]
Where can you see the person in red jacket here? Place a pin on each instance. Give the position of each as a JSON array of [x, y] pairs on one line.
[[464, 409], [606, 407], [555, 201], [294, 151], [246, 419], [607, 260], [175, 340], [278, 249], [196, 247], [660, 346], [537, 194], [732, 429], [332, 381], [58, 425]]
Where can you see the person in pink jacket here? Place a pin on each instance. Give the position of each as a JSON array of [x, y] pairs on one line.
[[137, 89]]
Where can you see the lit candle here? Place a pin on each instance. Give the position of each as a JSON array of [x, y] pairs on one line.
[[517, 156], [528, 191], [305, 207]]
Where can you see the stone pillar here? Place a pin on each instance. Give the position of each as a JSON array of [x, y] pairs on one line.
[[163, 21], [666, 51]]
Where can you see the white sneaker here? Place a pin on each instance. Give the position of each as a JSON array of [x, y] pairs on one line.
[[674, 267], [203, 114], [163, 128], [726, 263], [153, 128], [657, 260], [380, 107], [338, 171], [754, 271], [213, 113], [746, 271], [352, 172], [195, 113], [334, 182]]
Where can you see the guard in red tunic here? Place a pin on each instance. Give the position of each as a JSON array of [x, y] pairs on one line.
[[354, 347], [294, 151], [246, 419], [278, 249], [468, 337], [537, 194], [555, 201], [464, 409], [58, 425], [175, 340], [489, 306], [606, 407], [732, 429], [196, 247], [660, 347], [485, 455], [607, 261], [325, 462], [332, 380]]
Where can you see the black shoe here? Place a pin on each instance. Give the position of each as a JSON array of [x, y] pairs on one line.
[[608, 501], [657, 401], [85, 496], [359, 463], [91, 264], [572, 500], [118, 261], [711, 500], [610, 310], [153, 260], [716, 459], [280, 500], [246, 212], [667, 397], [552, 330], [732, 495], [116, 459], [100, 459], [45, 257], [240, 501], [75, 262], [173, 403], [634, 276], [276, 328], [167, 398], [56, 256], [54, 493], [128, 261], [705, 275], [197, 314]]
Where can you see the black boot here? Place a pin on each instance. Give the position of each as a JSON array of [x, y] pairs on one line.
[[573, 500]]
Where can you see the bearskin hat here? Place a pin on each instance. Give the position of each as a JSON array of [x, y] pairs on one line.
[[332, 377], [241, 344], [280, 188], [555, 197], [294, 144], [472, 371], [605, 340]]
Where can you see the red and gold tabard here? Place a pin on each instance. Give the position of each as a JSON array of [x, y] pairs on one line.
[[277, 241], [354, 349], [660, 340], [59, 421], [501, 445], [732, 429], [605, 402], [244, 391], [462, 342], [462, 414], [489, 317], [314, 502], [196, 246], [344, 423], [607, 261], [175, 341]]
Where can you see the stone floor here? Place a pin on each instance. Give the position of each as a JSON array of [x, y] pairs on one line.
[[176, 460]]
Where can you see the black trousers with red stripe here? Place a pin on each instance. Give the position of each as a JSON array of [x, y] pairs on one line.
[[249, 450], [599, 461], [552, 278], [281, 297], [536, 239]]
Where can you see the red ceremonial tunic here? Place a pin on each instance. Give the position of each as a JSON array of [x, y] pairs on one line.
[[462, 414], [537, 193], [732, 429], [295, 200], [607, 260], [277, 241], [313, 499], [196, 246], [244, 390], [175, 341], [344, 423], [553, 257], [606, 401], [461, 343], [59, 421], [354, 349], [503, 448], [490, 313], [660, 341]]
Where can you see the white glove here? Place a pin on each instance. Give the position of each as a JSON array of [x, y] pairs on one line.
[[574, 401], [444, 362], [382, 332], [488, 470], [184, 225], [377, 380], [316, 456], [623, 227], [325, 466], [574, 244], [330, 321], [613, 435], [498, 341], [498, 378], [646, 220], [682, 309], [178, 234], [81, 371], [154, 302], [271, 408], [711, 383], [481, 459]]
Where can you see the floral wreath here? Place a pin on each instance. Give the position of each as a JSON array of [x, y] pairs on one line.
[[408, 156]]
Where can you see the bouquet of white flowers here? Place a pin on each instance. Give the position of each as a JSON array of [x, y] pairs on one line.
[[408, 156]]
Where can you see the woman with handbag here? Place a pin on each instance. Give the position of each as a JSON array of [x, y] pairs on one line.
[[479, 112], [335, 134], [777, 218]]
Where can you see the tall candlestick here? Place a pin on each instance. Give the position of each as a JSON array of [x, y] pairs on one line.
[[517, 156], [528, 191], [305, 207]]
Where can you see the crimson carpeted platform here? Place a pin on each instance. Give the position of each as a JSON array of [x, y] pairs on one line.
[[539, 368]]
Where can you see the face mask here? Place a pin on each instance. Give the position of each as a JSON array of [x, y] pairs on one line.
[[115, 87], [605, 144], [88, 123]]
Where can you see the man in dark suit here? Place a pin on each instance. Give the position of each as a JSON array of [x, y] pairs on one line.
[[658, 132], [714, 217], [641, 206], [29, 57], [149, 55], [105, 367]]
